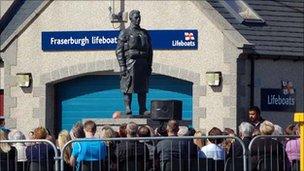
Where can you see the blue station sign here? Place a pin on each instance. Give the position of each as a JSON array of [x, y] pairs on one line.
[[107, 40], [277, 100]]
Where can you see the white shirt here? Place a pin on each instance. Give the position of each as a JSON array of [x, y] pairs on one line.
[[21, 152], [213, 151]]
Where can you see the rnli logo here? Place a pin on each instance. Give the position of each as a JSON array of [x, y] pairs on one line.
[[188, 41], [189, 36]]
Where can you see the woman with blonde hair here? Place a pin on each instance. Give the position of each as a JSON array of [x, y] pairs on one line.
[[63, 138], [7, 153], [268, 150]]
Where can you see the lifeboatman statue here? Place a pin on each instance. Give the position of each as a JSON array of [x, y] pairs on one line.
[[134, 54]]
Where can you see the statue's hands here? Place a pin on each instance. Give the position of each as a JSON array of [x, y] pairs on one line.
[[123, 71]]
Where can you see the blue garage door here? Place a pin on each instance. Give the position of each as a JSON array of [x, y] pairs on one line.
[[98, 96]]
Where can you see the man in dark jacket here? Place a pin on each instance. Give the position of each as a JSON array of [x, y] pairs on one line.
[[134, 55], [245, 133], [254, 115], [132, 154], [235, 154], [172, 154]]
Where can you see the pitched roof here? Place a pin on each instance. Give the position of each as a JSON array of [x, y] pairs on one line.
[[282, 35], [18, 17]]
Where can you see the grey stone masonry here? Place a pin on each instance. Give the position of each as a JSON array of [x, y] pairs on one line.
[[155, 67], [55, 75], [229, 122], [174, 72], [10, 59], [12, 123], [109, 64], [37, 113], [10, 102], [200, 111], [232, 111], [199, 90], [11, 81], [73, 70], [228, 79], [229, 101], [196, 101], [44, 78], [82, 68], [101, 65], [164, 69], [194, 77], [64, 72], [39, 91], [92, 67], [184, 74]]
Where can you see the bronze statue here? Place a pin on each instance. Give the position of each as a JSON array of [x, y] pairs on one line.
[[134, 54]]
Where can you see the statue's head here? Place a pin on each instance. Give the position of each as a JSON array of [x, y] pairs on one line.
[[135, 17]]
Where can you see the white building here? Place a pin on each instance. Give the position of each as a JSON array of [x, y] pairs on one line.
[[72, 81]]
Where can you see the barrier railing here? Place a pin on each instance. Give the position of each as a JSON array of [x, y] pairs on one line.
[[35, 147], [268, 153], [180, 150]]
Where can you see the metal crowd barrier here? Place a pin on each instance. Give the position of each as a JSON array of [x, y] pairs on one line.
[[179, 159], [35, 147], [268, 153]]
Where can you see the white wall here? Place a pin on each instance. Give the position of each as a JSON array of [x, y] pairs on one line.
[[4, 5]]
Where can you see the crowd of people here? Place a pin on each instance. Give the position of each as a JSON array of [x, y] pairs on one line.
[[93, 152]]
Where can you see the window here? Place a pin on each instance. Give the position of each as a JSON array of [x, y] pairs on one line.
[[242, 11]]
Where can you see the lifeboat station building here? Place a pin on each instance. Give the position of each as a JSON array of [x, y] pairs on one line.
[[58, 62]]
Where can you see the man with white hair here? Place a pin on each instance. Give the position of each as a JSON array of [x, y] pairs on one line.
[[245, 133]]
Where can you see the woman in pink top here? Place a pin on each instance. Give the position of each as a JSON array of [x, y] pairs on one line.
[[292, 146], [293, 149]]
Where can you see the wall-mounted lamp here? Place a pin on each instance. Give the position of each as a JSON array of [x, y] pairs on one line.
[[24, 79], [119, 17], [214, 78]]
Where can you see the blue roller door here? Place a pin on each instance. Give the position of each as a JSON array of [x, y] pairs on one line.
[[98, 96]]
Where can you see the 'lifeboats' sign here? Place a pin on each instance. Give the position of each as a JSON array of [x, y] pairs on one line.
[[277, 100], [107, 40]]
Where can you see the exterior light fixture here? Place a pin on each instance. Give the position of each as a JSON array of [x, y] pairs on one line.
[[120, 17], [24, 80], [214, 78]]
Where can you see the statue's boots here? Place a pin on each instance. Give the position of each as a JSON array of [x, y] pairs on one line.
[[127, 102], [141, 97]]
